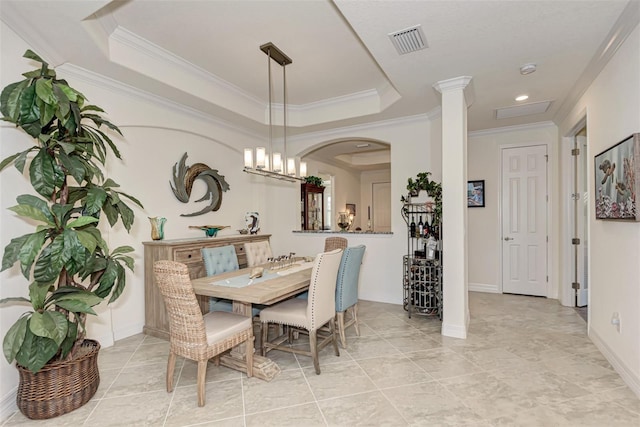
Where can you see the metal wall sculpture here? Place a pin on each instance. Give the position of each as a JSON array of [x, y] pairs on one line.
[[183, 178]]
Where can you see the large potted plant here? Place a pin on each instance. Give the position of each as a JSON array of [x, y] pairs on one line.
[[67, 264]]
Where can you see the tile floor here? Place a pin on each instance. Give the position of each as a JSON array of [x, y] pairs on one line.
[[527, 362]]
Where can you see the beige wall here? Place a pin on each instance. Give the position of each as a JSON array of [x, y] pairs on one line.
[[612, 108]]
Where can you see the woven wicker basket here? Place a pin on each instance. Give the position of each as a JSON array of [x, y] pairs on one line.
[[59, 387]]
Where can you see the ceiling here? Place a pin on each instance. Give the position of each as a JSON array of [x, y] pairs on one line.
[[204, 55]]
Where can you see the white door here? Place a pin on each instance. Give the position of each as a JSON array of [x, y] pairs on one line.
[[381, 201], [581, 217], [524, 220]]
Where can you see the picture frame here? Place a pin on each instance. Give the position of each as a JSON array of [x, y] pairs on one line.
[[617, 181], [475, 194], [351, 208]]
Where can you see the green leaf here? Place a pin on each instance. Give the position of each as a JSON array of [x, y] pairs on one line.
[[42, 173], [127, 215], [10, 100], [96, 197], [39, 208], [82, 221], [29, 251], [29, 54], [133, 199], [64, 106], [29, 111], [122, 250], [87, 240], [38, 295], [111, 213], [69, 293], [108, 279], [75, 306], [22, 159], [12, 251], [47, 113], [44, 90], [36, 351], [69, 93], [6, 162], [109, 183], [120, 283], [49, 324], [73, 166], [67, 344], [51, 260], [14, 338]]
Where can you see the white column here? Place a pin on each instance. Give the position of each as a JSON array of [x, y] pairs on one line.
[[454, 206]]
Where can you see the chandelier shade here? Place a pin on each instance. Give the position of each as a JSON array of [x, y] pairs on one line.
[[269, 163]]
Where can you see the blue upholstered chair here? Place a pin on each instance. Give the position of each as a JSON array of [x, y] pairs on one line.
[[221, 260], [347, 290]]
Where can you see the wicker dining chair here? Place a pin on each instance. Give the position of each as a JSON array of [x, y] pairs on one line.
[[308, 315], [331, 243], [192, 335]]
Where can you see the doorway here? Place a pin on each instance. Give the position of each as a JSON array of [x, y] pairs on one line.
[[524, 220], [579, 220]]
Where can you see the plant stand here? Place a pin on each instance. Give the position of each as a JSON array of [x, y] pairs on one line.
[[60, 387]]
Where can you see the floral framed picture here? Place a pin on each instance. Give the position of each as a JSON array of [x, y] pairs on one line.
[[475, 194], [617, 180]]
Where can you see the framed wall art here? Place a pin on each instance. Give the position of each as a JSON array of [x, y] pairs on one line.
[[475, 194], [617, 180]]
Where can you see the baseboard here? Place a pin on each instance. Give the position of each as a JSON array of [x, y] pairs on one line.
[[128, 332], [484, 287], [454, 331], [8, 405], [625, 373]]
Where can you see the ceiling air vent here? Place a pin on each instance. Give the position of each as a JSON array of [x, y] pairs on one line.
[[409, 40]]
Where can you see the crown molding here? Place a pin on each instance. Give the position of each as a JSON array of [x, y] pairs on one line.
[[514, 128], [123, 89], [624, 26]]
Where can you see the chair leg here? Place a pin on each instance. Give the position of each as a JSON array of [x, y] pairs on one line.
[[334, 336], [250, 357], [340, 325], [354, 312], [202, 375], [171, 366], [265, 336], [313, 343]]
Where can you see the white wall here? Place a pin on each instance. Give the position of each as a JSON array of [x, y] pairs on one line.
[[156, 135], [484, 162], [612, 106]]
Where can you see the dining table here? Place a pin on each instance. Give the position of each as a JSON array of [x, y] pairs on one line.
[[277, 283]]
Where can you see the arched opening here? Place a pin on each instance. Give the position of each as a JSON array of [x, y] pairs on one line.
[[357, 177]]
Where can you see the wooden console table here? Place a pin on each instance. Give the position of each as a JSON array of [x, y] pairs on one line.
[[188, 252]]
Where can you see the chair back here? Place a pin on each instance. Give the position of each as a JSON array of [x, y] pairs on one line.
[[348, 275], [331, 243], [220, 259], [257, 252], [322, 288], [186, 324]]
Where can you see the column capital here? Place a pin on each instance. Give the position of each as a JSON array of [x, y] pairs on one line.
[[457, 83], [452, 84]]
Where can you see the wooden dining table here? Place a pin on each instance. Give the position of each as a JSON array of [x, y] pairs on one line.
[[274, 286]]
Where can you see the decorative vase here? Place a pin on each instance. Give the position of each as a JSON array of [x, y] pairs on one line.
[[157, 227], [344, 221], [59, 387]]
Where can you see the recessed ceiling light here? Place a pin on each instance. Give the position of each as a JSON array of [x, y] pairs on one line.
[[365, 145], [527, 69], [522, 97]]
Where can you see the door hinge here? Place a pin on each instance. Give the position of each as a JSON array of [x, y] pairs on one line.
[[546, 156], [575, 241], [575, 152], [547, 239], [575, 196], [547, 279], [575, 285]]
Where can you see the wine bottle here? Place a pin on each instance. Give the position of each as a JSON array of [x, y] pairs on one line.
[[420, 227], [412, 227]]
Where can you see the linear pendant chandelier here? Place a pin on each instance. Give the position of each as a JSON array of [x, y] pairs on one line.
[[269, 163]]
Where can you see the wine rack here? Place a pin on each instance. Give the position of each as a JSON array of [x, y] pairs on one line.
[[422, 265]]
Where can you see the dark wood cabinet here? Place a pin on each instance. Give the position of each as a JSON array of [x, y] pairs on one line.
[[311, 207]]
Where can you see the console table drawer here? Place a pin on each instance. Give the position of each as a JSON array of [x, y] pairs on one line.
[[188, 255]]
